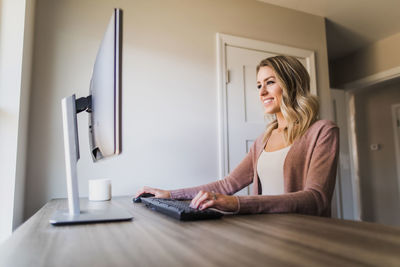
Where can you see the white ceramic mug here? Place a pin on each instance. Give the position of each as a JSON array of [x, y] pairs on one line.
[[99, 190]]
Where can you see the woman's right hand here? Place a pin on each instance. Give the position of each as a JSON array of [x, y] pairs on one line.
[[158, 193]]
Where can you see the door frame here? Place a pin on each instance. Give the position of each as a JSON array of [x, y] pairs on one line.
[[353, 149], [222, 41], [396, 140]]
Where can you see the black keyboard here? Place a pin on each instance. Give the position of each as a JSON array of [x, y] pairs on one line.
[[180, 209]]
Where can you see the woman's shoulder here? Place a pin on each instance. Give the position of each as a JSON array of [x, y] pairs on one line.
[[322, 126], [323, 130]]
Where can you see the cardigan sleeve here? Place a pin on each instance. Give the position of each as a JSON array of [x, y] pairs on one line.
[[315, 198], [239, 178]]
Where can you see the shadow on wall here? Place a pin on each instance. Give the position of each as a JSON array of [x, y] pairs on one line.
[[337, 38], [41, 137]]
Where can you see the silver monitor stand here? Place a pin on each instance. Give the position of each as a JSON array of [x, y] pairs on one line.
[[101, 213]]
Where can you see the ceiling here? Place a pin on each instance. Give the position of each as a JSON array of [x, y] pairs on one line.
[[351, 24]]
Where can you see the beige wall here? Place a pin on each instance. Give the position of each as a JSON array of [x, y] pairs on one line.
[[378, 175], [380, 56], [170, 122]]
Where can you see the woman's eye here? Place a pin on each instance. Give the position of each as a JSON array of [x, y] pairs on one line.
[[258, 86], [270, 82]]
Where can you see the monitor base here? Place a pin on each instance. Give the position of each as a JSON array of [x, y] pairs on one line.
[[110, 214]]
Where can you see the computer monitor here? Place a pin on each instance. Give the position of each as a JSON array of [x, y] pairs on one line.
[[104, 108], [105, 91]]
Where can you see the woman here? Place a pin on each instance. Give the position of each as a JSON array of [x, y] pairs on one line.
[[292, 165]]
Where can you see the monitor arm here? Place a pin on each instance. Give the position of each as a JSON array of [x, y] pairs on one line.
[[71, 147], [70, 107], [84, 104]]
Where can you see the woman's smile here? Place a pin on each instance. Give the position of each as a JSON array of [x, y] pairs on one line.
[[268, 101]]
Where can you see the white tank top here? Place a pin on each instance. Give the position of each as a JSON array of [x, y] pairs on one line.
[[270, 171]]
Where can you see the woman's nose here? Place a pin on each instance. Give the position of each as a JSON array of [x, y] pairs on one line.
[[263, 90]]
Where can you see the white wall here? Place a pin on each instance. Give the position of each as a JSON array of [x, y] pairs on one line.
[[15, 68], [170, 122]]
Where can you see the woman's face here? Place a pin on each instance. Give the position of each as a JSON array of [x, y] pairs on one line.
[[269, 90]]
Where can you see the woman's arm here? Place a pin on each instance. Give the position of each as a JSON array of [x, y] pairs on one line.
[[239, 178], [316, 197]]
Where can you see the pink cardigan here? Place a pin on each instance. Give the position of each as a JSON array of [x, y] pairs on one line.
[[309, 176]]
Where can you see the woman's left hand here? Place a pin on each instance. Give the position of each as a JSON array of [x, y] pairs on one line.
[[204, 200]]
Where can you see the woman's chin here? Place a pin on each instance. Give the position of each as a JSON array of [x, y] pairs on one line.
[[269, 112]]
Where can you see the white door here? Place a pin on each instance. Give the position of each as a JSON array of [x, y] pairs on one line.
[[245, 112]]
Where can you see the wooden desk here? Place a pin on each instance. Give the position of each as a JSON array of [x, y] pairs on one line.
[[152, 239]]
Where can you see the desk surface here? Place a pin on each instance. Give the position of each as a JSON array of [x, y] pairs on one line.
[[152, 239]]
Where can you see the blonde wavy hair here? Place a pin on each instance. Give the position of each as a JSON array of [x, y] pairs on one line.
[[299, 107]]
